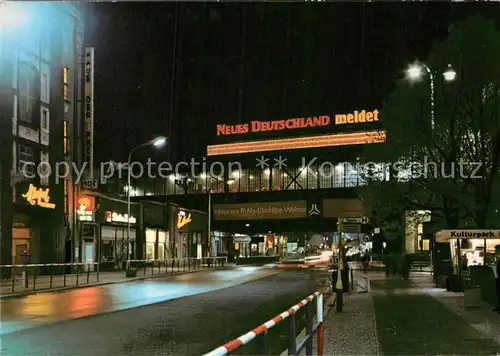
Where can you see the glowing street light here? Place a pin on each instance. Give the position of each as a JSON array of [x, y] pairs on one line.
[[416, 71], [157, 142], [449, 74]]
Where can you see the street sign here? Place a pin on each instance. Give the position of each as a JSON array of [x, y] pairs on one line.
[[351, 228], [358, 220], [89, 183], [242, 239], [376, 230]]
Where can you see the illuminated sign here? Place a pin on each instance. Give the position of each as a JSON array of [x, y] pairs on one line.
[[260, 211], [89, 109], [356, 117], [86, 207], [183, 219], [39, 197], [355, 138], [119, 218]]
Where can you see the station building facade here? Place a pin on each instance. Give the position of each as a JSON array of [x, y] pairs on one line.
[[279, 182]]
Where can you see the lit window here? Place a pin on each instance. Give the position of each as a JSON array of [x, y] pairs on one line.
[[65, 139], [66, 75], [66, 83]]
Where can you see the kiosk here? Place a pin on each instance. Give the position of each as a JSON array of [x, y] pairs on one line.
[[468, 248]]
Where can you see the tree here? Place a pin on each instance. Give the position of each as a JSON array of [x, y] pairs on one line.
[[448, 164]]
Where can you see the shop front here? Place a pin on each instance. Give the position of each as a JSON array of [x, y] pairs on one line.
[[85, 214], [472, 253], [156, 237], [114, 232], [189, 231], [37, 226]]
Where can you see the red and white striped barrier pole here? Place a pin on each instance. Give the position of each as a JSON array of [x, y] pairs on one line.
[[251, 335]]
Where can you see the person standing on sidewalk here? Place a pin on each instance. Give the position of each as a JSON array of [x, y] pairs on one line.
[[496, 273]]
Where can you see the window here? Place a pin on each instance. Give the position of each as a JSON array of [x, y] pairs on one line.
[[27, 93], [45, 87], [66, 83], [25, 155], [44, 124], [65, 139]]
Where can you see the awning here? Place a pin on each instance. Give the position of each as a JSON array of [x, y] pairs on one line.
[[463, 234]]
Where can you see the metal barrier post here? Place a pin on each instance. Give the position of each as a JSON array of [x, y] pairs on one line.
[[319, 317], [152, 268], [98, 263], [88, 273], [13, 272], [265, 344], [34, 280], [292, 336], [64, 280], [352, 280], [77, 274], [25, 278], [50, 286], [309, 330]]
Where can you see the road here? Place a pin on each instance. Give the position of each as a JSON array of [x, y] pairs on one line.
[[121, 319]]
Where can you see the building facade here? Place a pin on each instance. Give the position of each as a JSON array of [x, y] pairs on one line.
[[41, 110]]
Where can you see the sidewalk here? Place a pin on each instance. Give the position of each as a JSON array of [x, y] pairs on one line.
[[44, 284], [400, 317]]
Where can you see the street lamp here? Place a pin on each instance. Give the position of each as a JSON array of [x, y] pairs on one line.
[[384, 245], [229, 182], [157, 142], [416, 70]]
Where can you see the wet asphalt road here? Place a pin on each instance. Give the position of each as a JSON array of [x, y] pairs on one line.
[[34, 310], [186, 326]]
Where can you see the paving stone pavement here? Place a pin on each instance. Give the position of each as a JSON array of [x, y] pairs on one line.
[[354, 331], [480, 317]]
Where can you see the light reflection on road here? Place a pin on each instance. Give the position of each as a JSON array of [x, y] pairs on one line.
[[22, 313]]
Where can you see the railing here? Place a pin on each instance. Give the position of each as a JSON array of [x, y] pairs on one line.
[[33, 277], [294, 348], [161, 267]]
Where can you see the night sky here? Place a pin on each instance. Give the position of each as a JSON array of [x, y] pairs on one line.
[[242, 62]]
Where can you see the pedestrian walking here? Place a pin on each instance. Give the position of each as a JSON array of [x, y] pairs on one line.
[[496, 273]]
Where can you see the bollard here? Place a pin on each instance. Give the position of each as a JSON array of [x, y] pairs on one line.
[[338, 299], [25, 279], [309, 329], [265, 343], [292, 336]]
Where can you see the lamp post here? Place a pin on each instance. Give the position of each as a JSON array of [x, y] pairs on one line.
[[415, 72], [157, 142], [229, 182]]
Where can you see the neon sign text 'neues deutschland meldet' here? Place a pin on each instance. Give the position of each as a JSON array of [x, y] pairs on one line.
[[356, 117]]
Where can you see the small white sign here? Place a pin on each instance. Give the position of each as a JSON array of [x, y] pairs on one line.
[[120, 218], [90, 183]]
